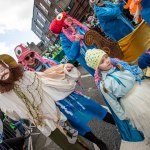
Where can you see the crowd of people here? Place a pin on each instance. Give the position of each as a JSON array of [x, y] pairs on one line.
[[43, 90]]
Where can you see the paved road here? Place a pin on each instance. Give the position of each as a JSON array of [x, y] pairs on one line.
[[104, 131]]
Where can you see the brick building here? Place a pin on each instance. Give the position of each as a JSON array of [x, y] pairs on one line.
[[44, 11]]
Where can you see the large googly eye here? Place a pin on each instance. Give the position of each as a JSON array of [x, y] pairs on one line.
[[18, 51], [59, 17]]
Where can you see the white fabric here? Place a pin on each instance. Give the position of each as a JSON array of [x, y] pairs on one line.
[[15, 108], [11, 104], [137, 106], [134, 103], [61, 88]]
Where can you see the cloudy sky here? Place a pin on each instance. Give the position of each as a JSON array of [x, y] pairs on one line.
[[15, 24]]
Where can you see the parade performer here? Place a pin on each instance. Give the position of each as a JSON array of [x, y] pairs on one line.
[[71, 35], [111, 19], [32, 96], [127, 99], [134, 7], [144, 63], [144, 60], [145, 12], [32, 60], [78, 109]]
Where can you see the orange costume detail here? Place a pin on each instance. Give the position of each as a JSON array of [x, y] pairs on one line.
[[134, 7]]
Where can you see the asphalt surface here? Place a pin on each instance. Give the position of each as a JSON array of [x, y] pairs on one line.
[[106, 132]]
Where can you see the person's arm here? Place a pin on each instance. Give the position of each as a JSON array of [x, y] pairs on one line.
[[107, 13], [111, 98], [71, 49]]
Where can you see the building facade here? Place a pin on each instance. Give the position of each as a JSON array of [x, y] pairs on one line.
[[40, 25], [44, 11], [39, 48], [79, 9]]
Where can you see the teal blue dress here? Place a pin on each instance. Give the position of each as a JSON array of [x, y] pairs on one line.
[[79, 109], [125, 128]]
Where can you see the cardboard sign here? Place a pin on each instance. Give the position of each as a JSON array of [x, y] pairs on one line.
[[110, 47]]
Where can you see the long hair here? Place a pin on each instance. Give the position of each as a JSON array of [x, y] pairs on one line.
[[15, 74], [71, 37]]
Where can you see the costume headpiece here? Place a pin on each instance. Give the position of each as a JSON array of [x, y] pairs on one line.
[[21, 52], [93, 57], [58, 23], [8, 60]]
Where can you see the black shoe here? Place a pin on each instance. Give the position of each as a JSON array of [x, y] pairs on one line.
[[102, 146]]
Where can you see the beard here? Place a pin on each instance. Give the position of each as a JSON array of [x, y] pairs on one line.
[[9, 80], [15, 74]]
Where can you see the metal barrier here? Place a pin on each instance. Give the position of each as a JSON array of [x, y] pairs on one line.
[[16, 135]]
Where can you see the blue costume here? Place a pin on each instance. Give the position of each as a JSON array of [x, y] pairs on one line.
[[145, 12], [112, 21], [118, 88], [79, 109], [144, 60], [40, 66], [73, 50]]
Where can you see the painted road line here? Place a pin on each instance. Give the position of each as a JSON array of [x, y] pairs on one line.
[[86, 75]]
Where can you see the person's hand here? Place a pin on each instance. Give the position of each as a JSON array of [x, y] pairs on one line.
[[77, 37], [69, 67]]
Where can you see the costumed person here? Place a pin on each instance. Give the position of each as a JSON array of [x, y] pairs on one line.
[[145, 12], [30, 95], [127, 99], [111, 19], [32, 60], [71, 34], [144, 60], [78, 109], [134, 7], [144, 63]]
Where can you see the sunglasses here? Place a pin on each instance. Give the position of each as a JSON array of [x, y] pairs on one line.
[[28, 57]]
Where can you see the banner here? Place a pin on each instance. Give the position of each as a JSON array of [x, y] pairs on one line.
[[135, 43]]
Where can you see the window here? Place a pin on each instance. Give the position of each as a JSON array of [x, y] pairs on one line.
[[56, 11], [43, 8], [39, 35], [47, 39], [53, 38], [38, 21], [48, 2], [42, 17], [38, 29]]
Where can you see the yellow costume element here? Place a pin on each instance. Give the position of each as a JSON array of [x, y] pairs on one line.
[[135, 43]]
